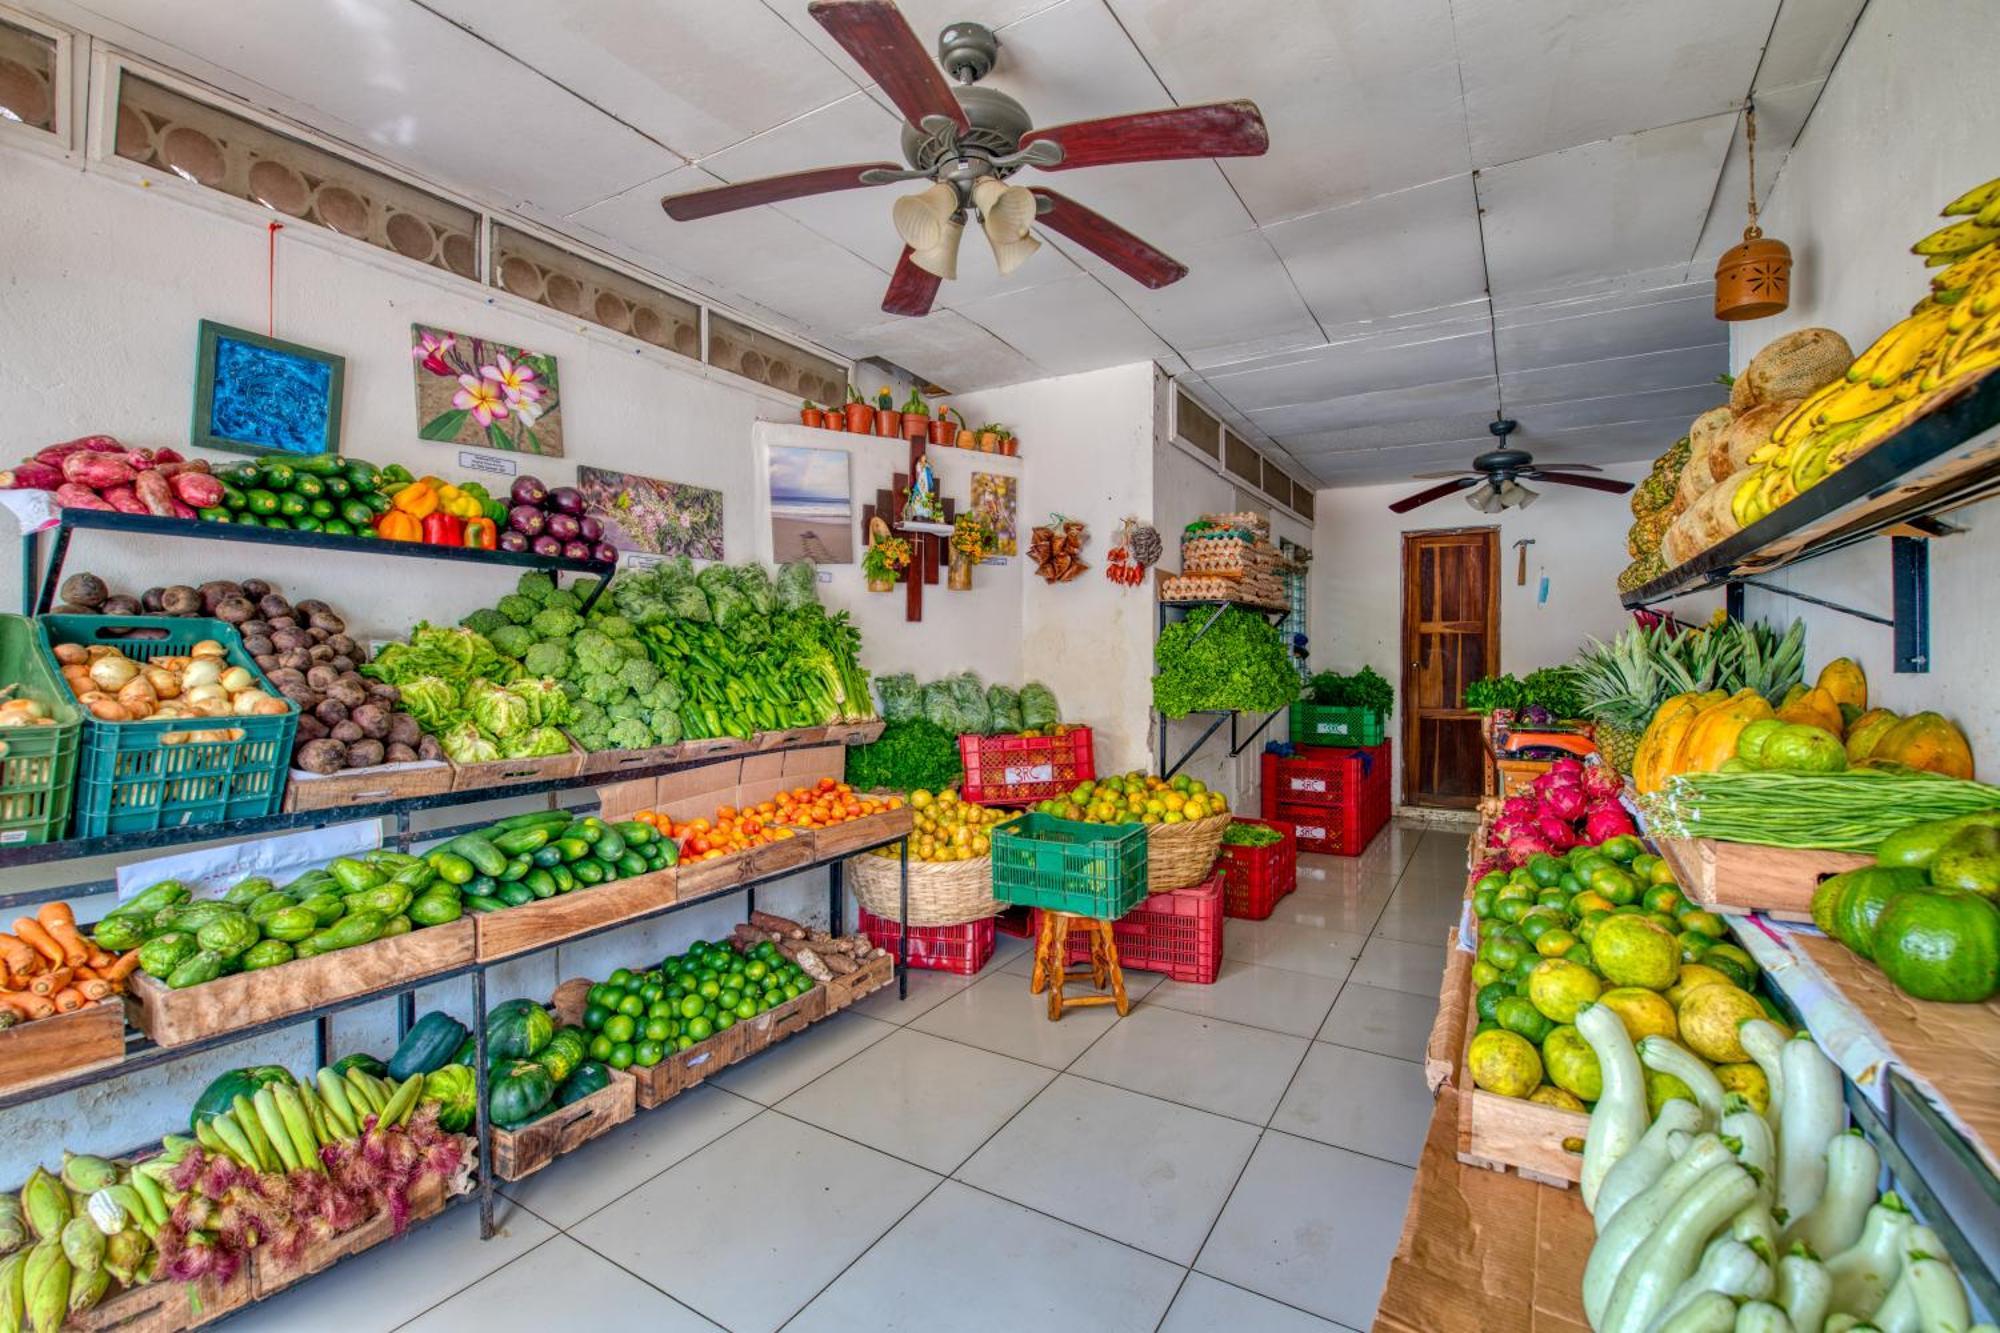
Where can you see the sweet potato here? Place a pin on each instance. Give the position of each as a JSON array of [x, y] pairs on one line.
[[126, 501], [33, 475], [84, 444], [197, 488], [97, 471], [75, 495]]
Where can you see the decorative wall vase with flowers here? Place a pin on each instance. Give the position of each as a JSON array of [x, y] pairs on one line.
[[489, 394], [972, 540], [887, 555]]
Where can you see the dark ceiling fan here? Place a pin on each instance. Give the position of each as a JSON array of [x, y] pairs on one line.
[[968, 140], [1498, 475]]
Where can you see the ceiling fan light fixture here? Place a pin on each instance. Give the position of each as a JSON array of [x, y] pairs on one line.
[[1513, 495], [1010, 255], [941, 258], [1006, 209], [921, 218], [1485, 499]]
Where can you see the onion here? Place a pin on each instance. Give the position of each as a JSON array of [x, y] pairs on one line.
[[113, 673], [546, 545], [72, 654], [269, 707], [605, 553], [511, 540], [237, 679], [138, 696], [244, 702], [208, 648], [109, 710], [590, 529], [166, 685], [206, 671], [206, 692], [564, 527], [528, 491], [210, 707], [527, 519]]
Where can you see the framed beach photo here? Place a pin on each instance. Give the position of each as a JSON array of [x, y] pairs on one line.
[[257, 395]]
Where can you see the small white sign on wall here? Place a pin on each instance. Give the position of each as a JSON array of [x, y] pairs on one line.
[[639, 560], [478, 460]]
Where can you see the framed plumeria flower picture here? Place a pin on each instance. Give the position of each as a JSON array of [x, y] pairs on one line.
[[488, 394]]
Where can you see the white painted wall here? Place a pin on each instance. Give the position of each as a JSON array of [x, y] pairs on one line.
[[1579, 544], [1905, 124]]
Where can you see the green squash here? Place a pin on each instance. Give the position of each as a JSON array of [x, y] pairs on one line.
[[517, 1030], [521, 1091], [431, 1042], [363, 1061], [455, 1089], [563, 1053], [220, 1095]]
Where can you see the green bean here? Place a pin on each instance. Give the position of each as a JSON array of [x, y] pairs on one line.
[[1852, 811]]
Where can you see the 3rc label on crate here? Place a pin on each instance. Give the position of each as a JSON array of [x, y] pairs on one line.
[[1300, 782], [1311, 832], [1015, 773]]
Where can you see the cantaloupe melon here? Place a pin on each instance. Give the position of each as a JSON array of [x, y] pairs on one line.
[[1793, 366]]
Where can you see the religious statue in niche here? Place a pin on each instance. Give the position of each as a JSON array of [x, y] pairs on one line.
[[921, 503]]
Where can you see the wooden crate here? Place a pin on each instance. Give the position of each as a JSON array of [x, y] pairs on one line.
[[682, 1070], [367, 786], [614, 763], [791, 736], [268, 1277], [855, 733], [583, 909], [701, 879], [518, 1153], [46, 1049], [1743, 877], [714, 747], [846, 838], [865, 980], [1441, 1051], [164, 1307], [1517, 775], [177, 1017], [515, 772]]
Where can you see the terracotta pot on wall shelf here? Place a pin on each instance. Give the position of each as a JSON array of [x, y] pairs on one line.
[[889, 422], [989, 442], [881, 585], [1010, 446], [811, 416], [966, 439], [916, 427], [860, 419], [835, 419], [943, 430]]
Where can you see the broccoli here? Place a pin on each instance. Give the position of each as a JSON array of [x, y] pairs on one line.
[[667, 727], [563, 598], [550, 657], [602, 688], [536, 585], [616, 626], [518, 609], [513, 640], [572, 687], [632, 649], [639, 674], [629, 734], [594, 652], [592, 738], [554, 622], [664, 697], [484, 621], [589, 713], [629, 706]]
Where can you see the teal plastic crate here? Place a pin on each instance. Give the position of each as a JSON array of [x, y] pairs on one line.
[[37, 764], [1066, 865], [138, 776], [1326, 724]]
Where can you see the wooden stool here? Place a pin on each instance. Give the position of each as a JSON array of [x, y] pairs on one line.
[[1052, 968]]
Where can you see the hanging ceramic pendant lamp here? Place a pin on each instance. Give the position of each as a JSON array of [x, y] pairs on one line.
[[1753, 280]]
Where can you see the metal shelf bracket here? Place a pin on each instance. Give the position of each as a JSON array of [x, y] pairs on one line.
[[1910, 592]]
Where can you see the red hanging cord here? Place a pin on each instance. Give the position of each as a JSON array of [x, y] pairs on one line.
[[271, 283]]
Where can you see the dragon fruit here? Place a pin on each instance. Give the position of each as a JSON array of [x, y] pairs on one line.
[[1557, 832], [1601, 783], [1605, 820], [1563, 800]]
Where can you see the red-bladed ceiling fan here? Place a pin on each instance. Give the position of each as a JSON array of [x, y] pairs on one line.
[[1498, 475], [968, 140]]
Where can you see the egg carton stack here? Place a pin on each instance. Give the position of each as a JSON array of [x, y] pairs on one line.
[[1227, 557]]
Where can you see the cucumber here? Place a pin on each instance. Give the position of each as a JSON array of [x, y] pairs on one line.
[[516, 894], [453, 868], [479, 902], [516, 867], [609, 845], [540, 884], [630, 864], [485, 857]]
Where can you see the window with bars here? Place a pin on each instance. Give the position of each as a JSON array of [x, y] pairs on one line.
[[28, 84], [1293, 626]]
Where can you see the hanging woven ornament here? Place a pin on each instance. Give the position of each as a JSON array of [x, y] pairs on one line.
[[1145, 544], [1753, 280]]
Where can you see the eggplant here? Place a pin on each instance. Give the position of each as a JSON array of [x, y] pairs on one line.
[[578, 550], [564, 527], [528, 491], [527, 519], [546, 545], [605, 553], [590, 529], [566, 500], [511, 540]]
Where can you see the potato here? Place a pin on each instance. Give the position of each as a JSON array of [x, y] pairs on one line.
[[347, 733], [271, 606], [120, 605], [320, 756], [343, 663], [320, 675]]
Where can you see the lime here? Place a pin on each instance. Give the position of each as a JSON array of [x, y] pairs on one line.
[[709, 988], [1662, 1088], [1555, 943], [682, 1042], [1662, 898], [1518, 1014], [1512, 909], [657, 1029], [757, 970], [1642, 866], [663, 1008], [1515, 888], [651, 991], [691, 1006], [1736, 954], [1623, 848], [1693, 945], [620, 1027], [1645, 1013], [1615, 884], [1662, 873], [1538, 923], [621, 1056], [1572, 1064], [1560, 989], [1482, 903], [1500, 951], [729, 998], [649, 1053], [599, 1047], [1483, 974], [1704, 922], [725, 1021], [1558, 899], [1489, 997], [601, 994], [1633, 951], [594, 1016], [1580, 955], [698, 1028], [632, 1005], [619, 976], [748, 1009], [1544, 869], [1505, 1063]]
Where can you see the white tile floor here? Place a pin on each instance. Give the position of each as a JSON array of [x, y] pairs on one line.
[[1235, 1156]]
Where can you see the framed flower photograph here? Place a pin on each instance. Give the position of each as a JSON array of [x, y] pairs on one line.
[[490, 395], [258, 395]]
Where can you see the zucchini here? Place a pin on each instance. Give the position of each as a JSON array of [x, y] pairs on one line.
[[1651, 1278], [1619, 1119]]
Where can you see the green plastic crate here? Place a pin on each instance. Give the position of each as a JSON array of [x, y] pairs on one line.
[[38, 770], [1066, 865], [132, 779], [1325, 724]]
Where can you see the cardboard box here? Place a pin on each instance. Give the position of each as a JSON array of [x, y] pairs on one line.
[[766, 775], [1482, 1252], [622, 800]]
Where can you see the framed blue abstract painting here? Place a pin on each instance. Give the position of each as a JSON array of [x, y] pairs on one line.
[[255, 394]]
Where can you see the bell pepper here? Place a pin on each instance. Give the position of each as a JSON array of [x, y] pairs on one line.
[[442, 529], [494, 509], [397, 526], [481, 534], [393, 475], [419, 499]]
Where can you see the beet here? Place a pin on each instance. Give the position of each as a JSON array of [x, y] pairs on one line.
[[403, 730], [257, 589], [85, 590], [320, 756], [118, 604], [331, 711], [395, 752], [364, 753], [181, 600], [347, 733]]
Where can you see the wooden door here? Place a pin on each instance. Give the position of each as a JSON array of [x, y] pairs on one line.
[[1451, 637]]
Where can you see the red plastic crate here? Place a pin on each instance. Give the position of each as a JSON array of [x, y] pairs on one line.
[[962, 949], [1337, 831], [1254, 878], [1323, 775], [1177, 933], [1020, 770], [1016, 921]]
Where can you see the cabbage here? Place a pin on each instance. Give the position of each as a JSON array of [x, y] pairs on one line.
[[463, 744], [431, 700], [1038, 707], [499, 712], [547, 704], [797, 585], [536, 742]]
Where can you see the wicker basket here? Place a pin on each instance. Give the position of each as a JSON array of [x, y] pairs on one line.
[[942, 893], [1178, 855]]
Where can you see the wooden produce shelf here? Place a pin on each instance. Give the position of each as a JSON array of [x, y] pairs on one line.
[[165, 1307], [703, 879], [367, 786], [581, 911], [1740, 877], [839, 840], [268, 1277], [519, 1153], [613, 765], [44, 1050], [247, 999], [496, 775]]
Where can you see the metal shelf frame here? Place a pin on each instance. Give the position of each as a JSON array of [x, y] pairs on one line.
[[1238, 741]]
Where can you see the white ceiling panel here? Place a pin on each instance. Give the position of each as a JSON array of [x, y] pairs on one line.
[[1609, 207], [1617, 442], [1362, 97], [1322, 448], [1681, 368], [950, 350], [1377, 466], [1071, 325], [1543, 75], [1805, 41], [1236, 301], [1564, 332], [1416, 249], [1361, 365], [677, 77], [405, 83], [1683, 404], [1385, 407]]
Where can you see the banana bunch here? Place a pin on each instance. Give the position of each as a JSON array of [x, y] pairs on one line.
[[69, 1236], [282, 1128], [1950, 335]]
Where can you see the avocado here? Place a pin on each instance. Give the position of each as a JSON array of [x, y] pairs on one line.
[[1919, 844], [1971, 860], [1864, 893], [1943, 945]]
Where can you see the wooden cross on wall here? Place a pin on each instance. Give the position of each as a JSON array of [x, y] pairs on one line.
[[927, 550]]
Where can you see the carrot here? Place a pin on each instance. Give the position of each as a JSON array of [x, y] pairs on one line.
[[18, 958], [48, 983], [60, 922], [120, 969], [100, 959], [39, 938], [27, 1006], [69, 1000], [93, 988]]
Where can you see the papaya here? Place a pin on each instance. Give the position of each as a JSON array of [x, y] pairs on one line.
[[1712, 738], [1814, 708], [1866, 731], [1793, 695], [1927, 741], [1844, 680], [1645, 759]]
